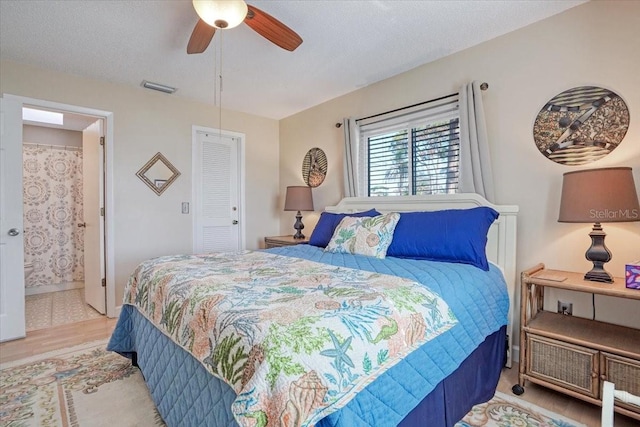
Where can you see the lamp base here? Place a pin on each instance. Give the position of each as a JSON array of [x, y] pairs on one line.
[[298, 226], [599, 275], [599, 255]]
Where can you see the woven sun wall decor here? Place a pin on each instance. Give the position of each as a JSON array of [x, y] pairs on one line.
[[314, 167]]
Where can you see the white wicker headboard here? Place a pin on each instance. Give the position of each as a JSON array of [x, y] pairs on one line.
[[501, 245]]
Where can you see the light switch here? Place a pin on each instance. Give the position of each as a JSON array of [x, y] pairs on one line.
[[185, 207]]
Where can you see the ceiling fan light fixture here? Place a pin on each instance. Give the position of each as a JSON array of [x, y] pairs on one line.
[[221, 14]]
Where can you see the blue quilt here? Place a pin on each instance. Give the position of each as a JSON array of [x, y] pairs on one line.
[[478, 299]]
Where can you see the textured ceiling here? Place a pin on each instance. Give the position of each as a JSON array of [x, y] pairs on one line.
[[347, 44]]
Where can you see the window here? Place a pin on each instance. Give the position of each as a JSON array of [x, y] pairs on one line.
[[416, 153]]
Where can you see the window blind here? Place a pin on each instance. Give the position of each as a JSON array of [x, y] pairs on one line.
[[416, 152]]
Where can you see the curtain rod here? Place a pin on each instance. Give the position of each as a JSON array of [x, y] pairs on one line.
[[53, 146], [483, 86]]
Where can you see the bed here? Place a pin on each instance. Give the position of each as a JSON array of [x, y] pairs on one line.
[[375, 365]]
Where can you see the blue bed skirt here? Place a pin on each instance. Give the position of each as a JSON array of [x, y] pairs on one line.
[[187, 395], [474, 382]]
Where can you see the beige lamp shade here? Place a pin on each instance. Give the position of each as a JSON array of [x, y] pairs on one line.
[[599, 195], [298, 198]]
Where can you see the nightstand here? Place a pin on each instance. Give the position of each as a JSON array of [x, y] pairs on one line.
[[574, 355], [276, 241]]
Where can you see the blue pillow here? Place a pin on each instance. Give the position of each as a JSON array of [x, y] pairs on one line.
[[327, 225], [455, 235]]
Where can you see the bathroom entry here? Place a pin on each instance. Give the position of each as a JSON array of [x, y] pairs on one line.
[[12, 283], [63, 193]]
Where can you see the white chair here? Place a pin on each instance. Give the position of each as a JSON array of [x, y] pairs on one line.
[[609, 393]]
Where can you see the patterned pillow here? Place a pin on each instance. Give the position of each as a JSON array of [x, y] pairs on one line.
[[370, 236], [327, 224]]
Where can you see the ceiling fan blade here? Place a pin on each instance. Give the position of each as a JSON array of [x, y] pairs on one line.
[[201, 37], [272, 29]]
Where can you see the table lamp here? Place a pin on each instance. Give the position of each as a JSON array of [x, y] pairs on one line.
[[596, 196], [298, 198]]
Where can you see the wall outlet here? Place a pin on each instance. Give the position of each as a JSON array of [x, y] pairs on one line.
[[565, 308]]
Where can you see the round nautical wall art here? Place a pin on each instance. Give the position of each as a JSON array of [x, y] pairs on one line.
[[314, 167], [581, 125]]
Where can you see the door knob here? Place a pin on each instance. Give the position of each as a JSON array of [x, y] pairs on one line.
[[82, 224], [234, 222], [13, 232]]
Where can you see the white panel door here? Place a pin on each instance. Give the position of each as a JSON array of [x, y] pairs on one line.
[[12, 320], [93, 196], [216, 193]]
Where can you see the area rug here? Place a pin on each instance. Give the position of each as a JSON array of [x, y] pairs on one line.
[[75, 387], [87, 386], [509, 411]]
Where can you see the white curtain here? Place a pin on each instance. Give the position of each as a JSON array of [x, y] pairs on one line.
[[476, 175], [351, 141]]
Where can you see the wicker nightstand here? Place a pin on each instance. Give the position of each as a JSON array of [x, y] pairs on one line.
[[276, 241], [571, 354]]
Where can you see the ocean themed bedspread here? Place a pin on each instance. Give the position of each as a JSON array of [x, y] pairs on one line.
[[294, 338]]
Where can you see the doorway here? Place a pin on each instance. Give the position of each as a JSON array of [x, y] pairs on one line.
[[63, 232], [62, 227]]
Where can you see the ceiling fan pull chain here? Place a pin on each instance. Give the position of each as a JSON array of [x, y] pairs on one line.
[[220, 77], [215, 73], [221, 45]]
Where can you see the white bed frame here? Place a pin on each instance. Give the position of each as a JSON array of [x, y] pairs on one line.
[[501, 245]]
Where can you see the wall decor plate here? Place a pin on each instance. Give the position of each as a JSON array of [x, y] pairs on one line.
[[314, 167], [581, 125]]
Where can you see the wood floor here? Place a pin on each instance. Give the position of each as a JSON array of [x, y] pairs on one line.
[[45, 340]]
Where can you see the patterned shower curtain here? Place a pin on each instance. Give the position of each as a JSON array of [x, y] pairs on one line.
[[52, 194]]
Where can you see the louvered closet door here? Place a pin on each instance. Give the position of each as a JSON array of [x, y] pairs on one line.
[[216, 193]]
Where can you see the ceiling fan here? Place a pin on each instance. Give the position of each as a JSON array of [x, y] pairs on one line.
[[225, 14]]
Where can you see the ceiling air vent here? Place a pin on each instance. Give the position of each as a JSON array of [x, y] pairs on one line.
[[157, 86]]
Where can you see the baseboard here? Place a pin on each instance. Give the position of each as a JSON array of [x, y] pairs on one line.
[[515, 353], [117, 311], [35, 290]]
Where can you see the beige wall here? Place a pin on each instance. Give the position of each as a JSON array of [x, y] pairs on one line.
[[593, 44], [51, 136], [146, 122]]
